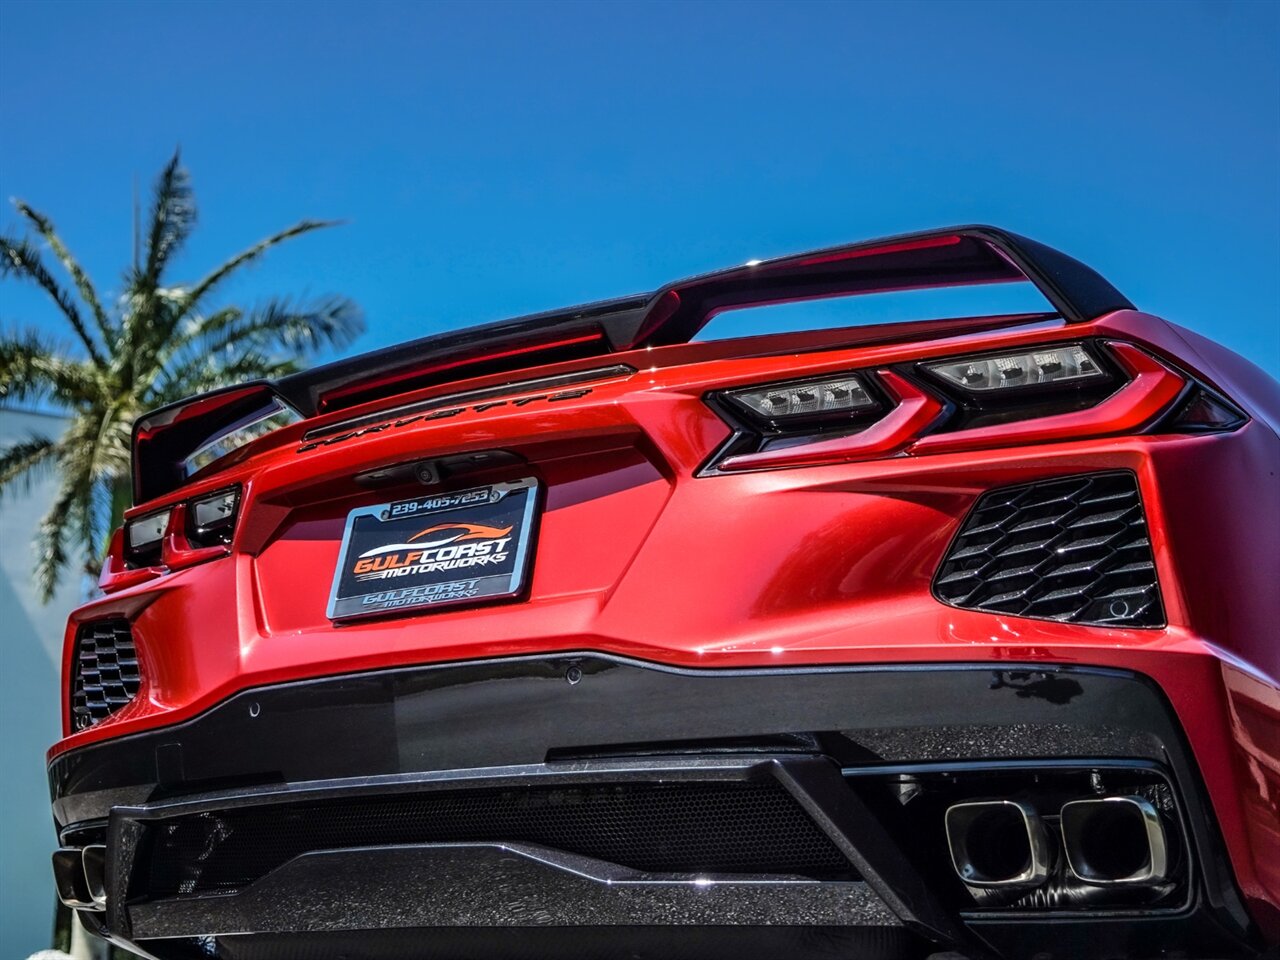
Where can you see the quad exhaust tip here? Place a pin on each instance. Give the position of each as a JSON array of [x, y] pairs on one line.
[[80, 873], [1107, 841], [998, 843], [1115, 840], [94, 860], [68, 877]]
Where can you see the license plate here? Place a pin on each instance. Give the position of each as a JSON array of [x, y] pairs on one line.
[[468, 546]]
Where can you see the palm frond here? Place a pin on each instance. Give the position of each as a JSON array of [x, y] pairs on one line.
[[85, 517], [278, 325], [20, 259], [160, 343], [245, 257], [111, 444], [212, 371], [51, 537], [75, 516], [145, 328], [27, 460], [33, 369], [173, 216], [44, 226]]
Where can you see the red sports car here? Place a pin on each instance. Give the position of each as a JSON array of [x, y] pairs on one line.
[[577, 635]]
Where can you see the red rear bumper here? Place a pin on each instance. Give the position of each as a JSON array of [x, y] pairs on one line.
[[828, 565]]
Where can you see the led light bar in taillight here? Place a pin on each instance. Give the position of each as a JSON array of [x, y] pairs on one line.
[[1040, 366], [207, 521], [146, 532], [783, 404], [142, 538], [212, 518]]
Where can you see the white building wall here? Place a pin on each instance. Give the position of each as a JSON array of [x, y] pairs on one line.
[[31, 646]]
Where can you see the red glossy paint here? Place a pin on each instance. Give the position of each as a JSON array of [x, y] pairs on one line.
[[177, 551], [825, 557], [115, 575]]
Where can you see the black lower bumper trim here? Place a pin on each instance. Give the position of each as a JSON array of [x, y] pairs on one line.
[[494, 886], [589, 715], [522, 710], [320, 885], [593, 942]]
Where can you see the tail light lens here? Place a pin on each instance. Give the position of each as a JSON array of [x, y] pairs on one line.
[[995, 388], [1042, 381], [273, 415], [1038, 394], [211, 520], [144, 537], [1020, 371], [788, 406], [207, 521], [794, 413]]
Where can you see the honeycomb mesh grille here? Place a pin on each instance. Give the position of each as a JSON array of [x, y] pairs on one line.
[[105, 672], [722, 828], [1073, 549]]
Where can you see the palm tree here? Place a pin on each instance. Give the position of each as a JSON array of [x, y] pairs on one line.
[[156, 343]]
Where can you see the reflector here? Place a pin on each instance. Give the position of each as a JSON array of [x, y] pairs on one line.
[[1205, 412]]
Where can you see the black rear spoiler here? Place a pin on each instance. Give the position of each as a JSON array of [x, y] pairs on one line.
[[673, 314]]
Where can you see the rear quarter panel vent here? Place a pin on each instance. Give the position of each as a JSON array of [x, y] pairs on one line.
[[104, 671], [1074, 549]]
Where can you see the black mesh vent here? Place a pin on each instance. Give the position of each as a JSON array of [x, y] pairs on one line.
[[717, 828], [1074, 549], [104, 674]]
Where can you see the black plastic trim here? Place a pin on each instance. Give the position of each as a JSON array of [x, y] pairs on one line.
[[406, 726], [1151, 618], [814, 782]]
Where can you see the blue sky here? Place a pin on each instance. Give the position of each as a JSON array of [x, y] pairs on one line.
[[494, 159]]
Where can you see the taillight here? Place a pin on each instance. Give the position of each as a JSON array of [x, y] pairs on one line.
[[179, 535], [1020, 371], [827, 404], [273, 415], [144, 537], [993, 388], [1040, 394], [793, 413], [211, 519]]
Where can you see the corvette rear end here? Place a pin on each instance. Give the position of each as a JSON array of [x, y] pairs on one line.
[[574, 633]]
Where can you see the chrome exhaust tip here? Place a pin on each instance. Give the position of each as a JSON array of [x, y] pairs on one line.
[[1115, 840], [998, 843], [68, 877], [94, 860]]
